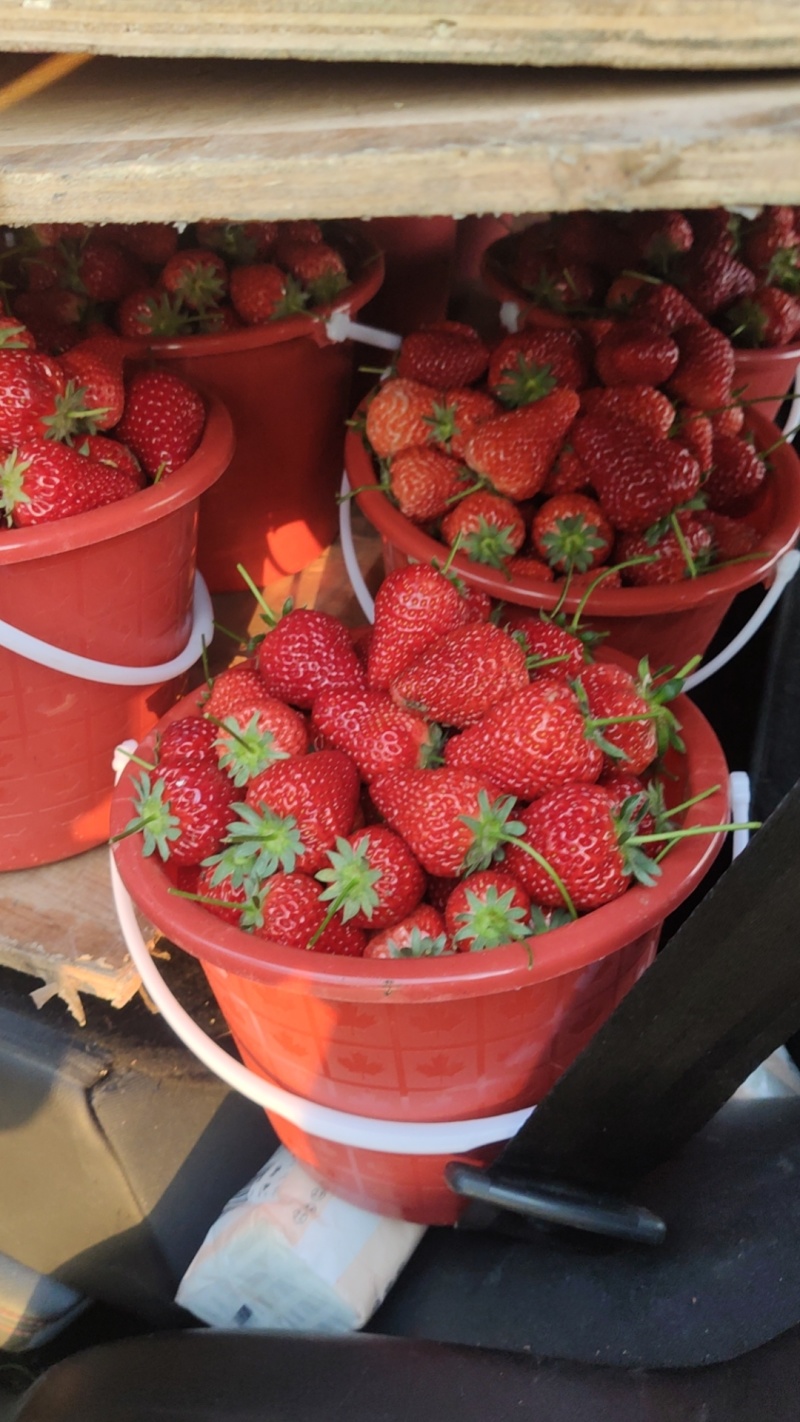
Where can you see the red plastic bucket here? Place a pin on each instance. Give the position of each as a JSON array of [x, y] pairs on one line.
[[287, 387], [115, 585], [448, 1039], [668, 623], [418, 254], [767, 372]]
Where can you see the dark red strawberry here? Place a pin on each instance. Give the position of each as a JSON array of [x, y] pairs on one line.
[[529, 364], [187, 741], [696, 433], [730, 537], [318, 267], [402, 413], [319, 792], [636, 353], [711, 279], [111, 451], [736, 475], [263, 292], [305, 652], [568, 475], [420, 935], [15, 336], [656, 238], [238, 241], [42, 481], [768, 317], [665, 306], [151, 312], [671, 555], [152, 242], [460, 675], [162, 421], [100, 270], [196, 275], [640, 404], [376, 733], [486, 910], [443, 353], [373, 878], [489, 528], [638, 478], [772, 232]]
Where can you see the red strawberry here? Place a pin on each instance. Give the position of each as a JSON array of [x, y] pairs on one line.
[[41, 481], [552, 283], [263, 292], [727, 421], [730, 537], [568, 475], [317, 266], [665, 306], [524, 565], [29, 388], [772, 232], [712, 278], [640, 404], [612, 692], [638, 477], [515, 450], [319, 792], [150, 312], [400, 415], [98, 388], [486, 910], [561, 651], [714, 227], [183, 813], [101, 271], [445, 816], [43, 269], [443, 353], [570, 531], [373, 878], [768, 317], [256, 735], [234, 688], [490, 528], [536, 738], [670, 558], [736, 475], [223, 895], [187, 741], [306, 652], [238, 241], [110, 451], [298, 229], [529, 364], [459, 676], [620, 785], [459, 413], [15, 336], [413, 606], [574, 829], [636, 353], [657, 237], [696, 433], [196, 275], [152, 242], [424, 481], [420, 935], [292, 913], [162, 421], [377, 734]]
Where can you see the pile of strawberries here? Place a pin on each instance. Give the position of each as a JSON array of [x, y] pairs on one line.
[[75, 434], [441, 783], [741, 273], [605, 446], [146, 279]]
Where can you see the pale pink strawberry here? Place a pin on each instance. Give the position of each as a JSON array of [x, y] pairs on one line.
[[401, 414]]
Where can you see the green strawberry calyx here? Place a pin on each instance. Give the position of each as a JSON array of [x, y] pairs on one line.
[[153, 818], [246, 751], [270, 842], [490, 920], [490, 544], [419, 945], [12, 490], [572, 543], [524, 382], [73, 416], [351, 882], [492, 830]]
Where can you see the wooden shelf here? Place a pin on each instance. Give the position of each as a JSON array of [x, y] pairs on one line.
[[184, 139], [720, 34]]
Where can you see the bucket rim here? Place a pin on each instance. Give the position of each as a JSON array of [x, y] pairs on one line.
[[780, 535], [567, 949], [157, 501]]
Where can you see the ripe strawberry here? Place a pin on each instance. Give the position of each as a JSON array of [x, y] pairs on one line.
[[536, 738], [768, 317], [43, 269], [530, 363], [670, 558], [162, 421], [711, 279], [420, 935], [15, 336], [638, 478], [238, 241], [460, 411], [445, 816], [234, 688], [612, 692], [620, 785], [95, 371], [571, 532], [714, 227], [552, 648], [29, 388], [197, 276], [423, 480], [771, 232], [152, 242], [100, 270], [728, 420], [413, 606], [524, 565], [298, 229], [490, 528], [515, 450], [665, 306], [318, 267], [696, 433], [42, 480], [304, 653], [292, 913], [460, 675], [736, 475], [486, 910], [574, 829], [730, 537], [263, 292], [640, 404], [111, 452], [373, 878], [255, 735], [636, 353], [187, 741], [150, 312], [401, 414], [183, 813], [319, 792], [369, 727], [655, 238], [443, 353], [219, 895], [568, 475], [552, 283]]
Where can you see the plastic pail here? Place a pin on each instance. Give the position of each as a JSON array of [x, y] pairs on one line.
[[117, 586]]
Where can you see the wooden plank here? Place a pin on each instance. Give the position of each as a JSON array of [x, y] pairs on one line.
[[186, 139], [722, 34]]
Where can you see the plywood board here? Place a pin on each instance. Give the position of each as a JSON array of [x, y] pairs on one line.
[[161, 139], [722, 34]]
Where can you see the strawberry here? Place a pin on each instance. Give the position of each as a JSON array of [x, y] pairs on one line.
[[305, 652], [712, 278], [772, 232], [101, 271], [536, 738], [111, 452], [529, 364], [413, 606], [43, 269], [665, 306], [420, 935], [234, 688], [552, 283], [423, 480], [150, 312], [187, 741], [458, 413], [319, 792], [611, 692], [636, 353], [574, 829], [263, 292], [620, 785], [728, 420], [730, 537], [373, 878], [671, 557], [640, 404], [197, 276], [486, 910], [318, 267], [696, 433], [714, 228], [445, 816], [220, 895], [460, 675], [549, 646], [514, 451], [29, 388], [298, 229], [254, 736], [443, 353], [162, 421], [524, 565], [183, 814], [568, 475], [768, 317], [638, 477], [655, 238], [238, 241], [292, 913], [152, 242], [571, 532], [15, 336], [400, 414], [95, 370], [736, 475], [369, 727], [41, 481], [490, 528]]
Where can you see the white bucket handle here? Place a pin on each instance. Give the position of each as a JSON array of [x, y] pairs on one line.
[[359, 1132], [340, 327], [109, 673]]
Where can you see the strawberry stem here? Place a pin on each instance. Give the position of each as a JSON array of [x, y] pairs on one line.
[[673, 835], [548, 869], [269, 616], [683, 545], [605, 573]]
